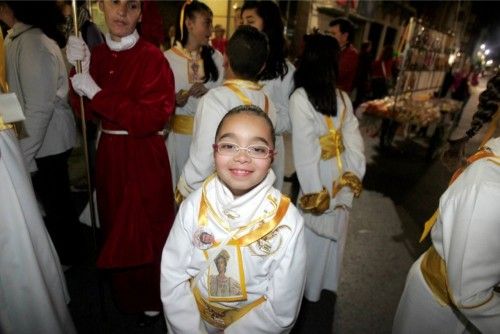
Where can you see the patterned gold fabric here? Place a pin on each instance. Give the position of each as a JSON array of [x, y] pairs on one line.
[[315, 203], [350, 180]]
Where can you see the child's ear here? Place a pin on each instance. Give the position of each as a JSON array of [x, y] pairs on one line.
[[101, 5]]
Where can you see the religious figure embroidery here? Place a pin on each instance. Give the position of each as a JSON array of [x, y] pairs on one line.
[[225, 284]]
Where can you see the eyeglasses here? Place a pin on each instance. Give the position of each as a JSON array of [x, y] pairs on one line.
[[254, 151]]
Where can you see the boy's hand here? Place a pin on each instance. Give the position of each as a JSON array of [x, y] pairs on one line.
[[181, 97], [84, 85], [198, 90], [77, 50]]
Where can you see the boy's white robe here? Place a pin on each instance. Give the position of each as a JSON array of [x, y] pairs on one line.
[[279, 276], [326, 233], [467, 237], [279, 91], [211, 109], [33, 294], [178, 144]]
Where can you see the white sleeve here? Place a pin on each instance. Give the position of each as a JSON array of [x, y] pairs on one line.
[[179, 305], [285, 289], [219, 63], [39, 87], [200, 163], [305, 144], [353, 157], [284, 89], [472, 260]]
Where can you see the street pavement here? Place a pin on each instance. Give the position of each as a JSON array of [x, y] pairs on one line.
[[401, 190]]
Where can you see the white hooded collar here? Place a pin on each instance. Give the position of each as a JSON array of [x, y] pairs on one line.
[[238, 211], [125, 43]]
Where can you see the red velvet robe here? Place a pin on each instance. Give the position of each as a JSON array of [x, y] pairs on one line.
[[133, 183]]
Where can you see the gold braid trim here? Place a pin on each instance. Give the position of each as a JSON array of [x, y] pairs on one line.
[[350, 180], [315, 203]]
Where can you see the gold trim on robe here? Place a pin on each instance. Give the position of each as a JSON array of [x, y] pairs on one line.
[[219, 316]]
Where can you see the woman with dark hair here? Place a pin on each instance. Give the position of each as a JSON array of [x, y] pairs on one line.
[[277, 75], [37, 74], [329, 160], [453, 286], [197, 67]]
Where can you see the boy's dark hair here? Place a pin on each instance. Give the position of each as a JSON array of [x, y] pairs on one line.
[[345, 26], [211, 71], [270, 14], [317, 72], [247, 52], [248, 109]]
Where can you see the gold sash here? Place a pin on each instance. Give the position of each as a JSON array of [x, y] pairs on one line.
[[433, 269], [219, 316], [332, 145], [235, 85], [434, 272], [182, 124]]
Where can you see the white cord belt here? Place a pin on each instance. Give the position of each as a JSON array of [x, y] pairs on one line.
[[125, 132]]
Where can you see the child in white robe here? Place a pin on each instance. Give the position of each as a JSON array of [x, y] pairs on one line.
[[454, 286], [191, 53], [247, 51], [236, 254], [329, 160]]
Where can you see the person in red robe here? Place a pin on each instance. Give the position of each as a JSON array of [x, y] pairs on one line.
[[129, 87], [343, 31]]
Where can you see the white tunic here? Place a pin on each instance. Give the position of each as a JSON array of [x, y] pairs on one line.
[[466, 236], [33, 292], [279, 275], [325, 234], [178, 144], [279, 91], [211, 109]]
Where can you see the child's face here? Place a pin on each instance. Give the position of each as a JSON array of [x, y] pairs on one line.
[[121, 16], [251, 18], [241, 172], [200, 27]]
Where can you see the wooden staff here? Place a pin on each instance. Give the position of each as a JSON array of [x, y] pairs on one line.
[[84, 133]]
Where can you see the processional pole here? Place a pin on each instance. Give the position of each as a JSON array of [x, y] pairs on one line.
[[87, 169], [84, 133]]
